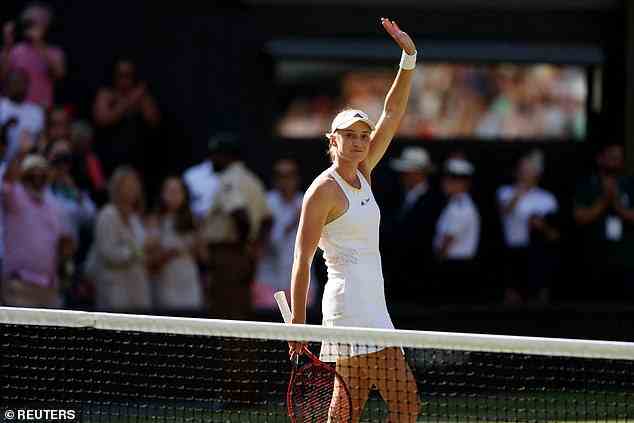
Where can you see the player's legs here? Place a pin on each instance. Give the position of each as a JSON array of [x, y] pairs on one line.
[[353, 371], [389, 371]]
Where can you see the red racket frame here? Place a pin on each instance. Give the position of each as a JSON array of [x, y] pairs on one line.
[[316, 362]]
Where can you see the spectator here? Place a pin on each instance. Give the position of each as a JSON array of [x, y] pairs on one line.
[[411, 232], [202, 182], [44, 64], [233, 230], [34, 235], [4, 135], [57, 128], [178, 286], [29, 118], [87, 169], [118, 259], [79, 210], [457, 234], [285, 203], [604, 210], [528, 213], [125, 113]]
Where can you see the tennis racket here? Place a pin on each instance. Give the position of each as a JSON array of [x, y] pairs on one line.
[[316, 393]]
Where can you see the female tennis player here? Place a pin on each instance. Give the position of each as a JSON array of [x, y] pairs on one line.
[[339, 214]]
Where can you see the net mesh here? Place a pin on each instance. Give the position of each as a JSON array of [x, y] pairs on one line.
[[128, 373]]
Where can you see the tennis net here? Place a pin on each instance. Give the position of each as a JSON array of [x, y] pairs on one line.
[[119, 368]]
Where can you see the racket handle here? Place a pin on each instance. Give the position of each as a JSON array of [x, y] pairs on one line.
[[280, 297]]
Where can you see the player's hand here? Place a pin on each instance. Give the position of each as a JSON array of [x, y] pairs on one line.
[[400, 37], [295, 349]]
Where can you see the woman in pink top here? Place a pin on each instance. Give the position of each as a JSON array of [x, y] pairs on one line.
[[44, 63]]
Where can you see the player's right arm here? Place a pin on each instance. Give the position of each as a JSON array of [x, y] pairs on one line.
[[317, 205]]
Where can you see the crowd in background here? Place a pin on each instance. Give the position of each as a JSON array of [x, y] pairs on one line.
[[449, 101], [79, 231]]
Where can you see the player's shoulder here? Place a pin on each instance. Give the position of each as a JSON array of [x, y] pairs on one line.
[[323, 188]]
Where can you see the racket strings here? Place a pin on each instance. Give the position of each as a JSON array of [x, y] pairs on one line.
[[312, 397]]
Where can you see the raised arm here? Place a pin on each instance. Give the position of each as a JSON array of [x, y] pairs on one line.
[[396, 99]]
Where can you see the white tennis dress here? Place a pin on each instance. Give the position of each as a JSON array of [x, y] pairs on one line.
[[354, 294]]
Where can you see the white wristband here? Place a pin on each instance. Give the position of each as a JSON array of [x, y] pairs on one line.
[[408, 61]]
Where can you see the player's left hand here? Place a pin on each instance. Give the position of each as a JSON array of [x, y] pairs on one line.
[[402, 39]]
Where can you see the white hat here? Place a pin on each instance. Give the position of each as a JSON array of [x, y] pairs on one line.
[[348, 117], [33, 161], [458, 167], [412, 158]]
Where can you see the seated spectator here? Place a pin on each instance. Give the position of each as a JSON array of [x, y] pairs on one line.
[[44, 64], [79, 210], [276, 265], [87, 169], [203, 184], [457, 235], [35, 239], [124, 114], [117, 261], [234, 231], [176, 277], [528, 217], [411, 231], [604, 210], [28, 117]]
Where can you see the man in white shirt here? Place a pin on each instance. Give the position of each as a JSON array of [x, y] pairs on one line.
[[526, 211], [457, 234], [29, 117]]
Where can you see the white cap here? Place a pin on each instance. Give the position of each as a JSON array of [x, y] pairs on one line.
[[33, 161], [458, 167], [412, 158], [348, 117]]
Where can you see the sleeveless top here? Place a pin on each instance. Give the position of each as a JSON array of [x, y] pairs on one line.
[[354, 294]]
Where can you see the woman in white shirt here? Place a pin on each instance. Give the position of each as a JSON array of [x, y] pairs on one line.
[[340, 215], [118, 259], [177, 281]]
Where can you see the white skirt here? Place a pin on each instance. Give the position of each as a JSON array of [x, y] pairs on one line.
[[331, 351]]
